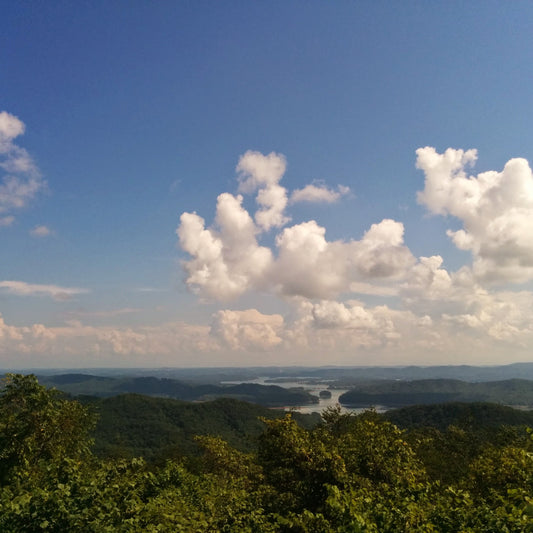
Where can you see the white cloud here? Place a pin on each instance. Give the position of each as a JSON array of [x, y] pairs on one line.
[[310, 266], [249, 329], [426, 280], [40, 231], [361, 287], [501, 316], [227, 260], [432, 314], [77, 344], [381, 253], [10, 128], [257, 170], [486, 329], [104, 314], [263, 173], [6, 221], [337, 315], [324, 332], [22, 181], [319, 193], [495, 208], [354, 333], [22, 288], [16, 192]]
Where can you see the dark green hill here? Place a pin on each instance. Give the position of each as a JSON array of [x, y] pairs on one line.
[[389, 393], [449, 437], [90, 385], [132, 425], [467, 416], [72, 379]]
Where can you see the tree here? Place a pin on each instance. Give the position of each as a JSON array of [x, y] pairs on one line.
[[39, 424]]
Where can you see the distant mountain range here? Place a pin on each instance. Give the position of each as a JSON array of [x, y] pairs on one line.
[[105, 386], [385, 386], [344, 373]]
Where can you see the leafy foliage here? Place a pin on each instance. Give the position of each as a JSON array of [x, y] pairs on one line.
[[348, 474], [132, 425], [39, 425]]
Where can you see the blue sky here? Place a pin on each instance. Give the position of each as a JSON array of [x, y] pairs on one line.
[[119, 117]]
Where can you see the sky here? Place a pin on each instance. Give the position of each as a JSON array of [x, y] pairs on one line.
[[189, 184]]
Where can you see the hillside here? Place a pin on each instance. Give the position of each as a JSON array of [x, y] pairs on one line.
[[517, 392], [132, 425], [91, 385], [475, 416]]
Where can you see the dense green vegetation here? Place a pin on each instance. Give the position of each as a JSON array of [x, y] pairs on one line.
[[131, 425], [347, 474], [474, 416], [427, 391], [268, 395]]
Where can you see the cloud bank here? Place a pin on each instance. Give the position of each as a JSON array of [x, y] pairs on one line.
[[427, 307], [227, 259], [484, 329], [365, 300]]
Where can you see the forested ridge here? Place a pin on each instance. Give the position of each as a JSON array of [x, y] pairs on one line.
[[346, 473], [105, 386], [395, 393], [132, 425]]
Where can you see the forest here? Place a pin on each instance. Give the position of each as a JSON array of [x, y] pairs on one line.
[[229, 466], [397, 393], [105, 386]]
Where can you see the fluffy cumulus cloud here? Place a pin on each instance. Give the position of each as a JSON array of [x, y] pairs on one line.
[[487, 328], [21, 180], [428, 309], [227, 259], [310, 266], [262, 173], [502, 317], [428, 281], [352, 326], [495, 209], [247, 330]]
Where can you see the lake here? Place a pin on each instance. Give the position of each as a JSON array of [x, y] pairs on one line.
[[314, 387]]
